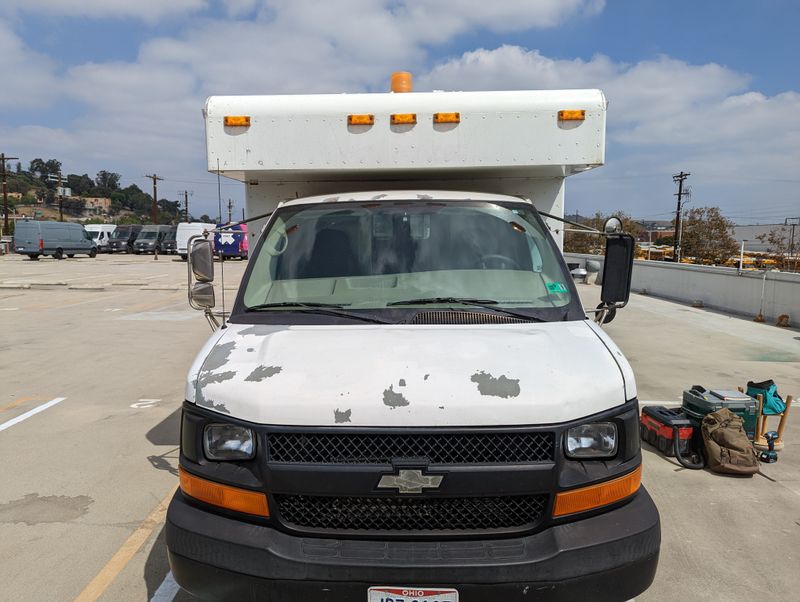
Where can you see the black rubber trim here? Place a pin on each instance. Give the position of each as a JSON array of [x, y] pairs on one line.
[[612, 556]]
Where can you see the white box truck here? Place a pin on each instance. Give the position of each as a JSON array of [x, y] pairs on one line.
[[407, 400]]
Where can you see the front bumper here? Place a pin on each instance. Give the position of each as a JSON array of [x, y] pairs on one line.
[[610, 556]]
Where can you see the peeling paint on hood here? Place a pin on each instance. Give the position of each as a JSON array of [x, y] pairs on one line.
[[481, 375]]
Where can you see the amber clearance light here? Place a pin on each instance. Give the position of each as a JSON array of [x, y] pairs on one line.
[[572, 115], [595, 496], [216, 494], [241, 121]]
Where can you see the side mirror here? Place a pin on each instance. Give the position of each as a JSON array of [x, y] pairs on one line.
[[201, 258], [201, 295], [617, 270]]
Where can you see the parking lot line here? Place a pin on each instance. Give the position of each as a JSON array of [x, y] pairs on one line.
[[167, 591], [126, 552], [29, 413]]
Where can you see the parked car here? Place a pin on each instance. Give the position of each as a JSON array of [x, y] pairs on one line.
[[101, 234], [185, 231], [150, 239], [123, 237], [58, 239], [169, 245], [231, 242]]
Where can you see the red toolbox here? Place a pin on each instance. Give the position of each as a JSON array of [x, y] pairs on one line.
[[657, 427]]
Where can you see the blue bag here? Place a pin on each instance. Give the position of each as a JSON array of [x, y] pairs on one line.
[[773, 404]]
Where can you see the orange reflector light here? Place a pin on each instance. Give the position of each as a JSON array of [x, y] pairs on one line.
[[216, 494], [595, 496], [237, 121], [402, 81], [447, 118], [404, 118], [365, 119], [572, 115]]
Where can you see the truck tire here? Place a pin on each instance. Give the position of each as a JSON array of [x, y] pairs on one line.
[[34, 257], [183, 257], [93, 253], [59, 254], [70, 255]]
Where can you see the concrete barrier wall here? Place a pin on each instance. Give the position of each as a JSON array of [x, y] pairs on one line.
[[717, 287]]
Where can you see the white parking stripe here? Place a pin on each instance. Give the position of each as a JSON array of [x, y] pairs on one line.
[[167, 591], [29, 413]]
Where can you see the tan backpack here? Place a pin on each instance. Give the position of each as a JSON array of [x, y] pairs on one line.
[[728, 450]]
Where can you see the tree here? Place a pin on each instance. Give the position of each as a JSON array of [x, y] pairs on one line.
[[107, 179], [205, 219], [74, 206], [778, 243], [53, 166], [80, 185], [37, 167], [19, 167], [707, 236]]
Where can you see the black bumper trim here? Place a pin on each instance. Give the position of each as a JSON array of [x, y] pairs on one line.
[[611, 556]]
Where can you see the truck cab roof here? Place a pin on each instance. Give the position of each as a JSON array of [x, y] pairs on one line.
[[403, 195]]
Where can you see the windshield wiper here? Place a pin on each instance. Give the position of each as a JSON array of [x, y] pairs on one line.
[[310, 307], [484, 303]]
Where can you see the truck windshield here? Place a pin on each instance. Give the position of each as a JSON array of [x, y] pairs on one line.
[[94, 234], [149, 235], [388, 255], [120, 234]]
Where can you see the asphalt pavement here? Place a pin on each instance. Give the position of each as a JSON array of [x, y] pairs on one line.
[[93, 355]]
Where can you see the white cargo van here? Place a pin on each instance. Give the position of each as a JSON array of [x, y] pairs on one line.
[[101, 233], [185, 231], [407, 400]]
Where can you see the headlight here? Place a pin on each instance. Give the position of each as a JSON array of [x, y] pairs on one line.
[[592, 441], [228, 442]]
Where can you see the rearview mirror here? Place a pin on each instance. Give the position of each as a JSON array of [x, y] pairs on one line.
[[617, 270], [201, 258], [201, 295]]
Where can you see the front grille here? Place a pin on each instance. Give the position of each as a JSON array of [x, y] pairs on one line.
[[411, 514], [464, 317], [384, 448]]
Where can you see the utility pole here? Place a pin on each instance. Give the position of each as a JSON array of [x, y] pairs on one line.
[[186, 195], [230, 210], [154, 209], [60, 191], [676, 245], [3, 160]]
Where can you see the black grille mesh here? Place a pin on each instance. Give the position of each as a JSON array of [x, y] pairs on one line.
[[383, 448], [411, 514], [464, 317]]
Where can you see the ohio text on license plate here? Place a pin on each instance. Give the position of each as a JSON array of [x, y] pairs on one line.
[[411, 594]]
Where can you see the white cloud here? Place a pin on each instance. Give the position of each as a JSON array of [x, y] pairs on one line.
[[147, 10], [664, 115], [28, 77]]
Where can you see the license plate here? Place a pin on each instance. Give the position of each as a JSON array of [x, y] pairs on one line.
[[411, 594], [20, 248]]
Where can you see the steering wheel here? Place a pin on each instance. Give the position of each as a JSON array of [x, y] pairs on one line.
[[502, 260]]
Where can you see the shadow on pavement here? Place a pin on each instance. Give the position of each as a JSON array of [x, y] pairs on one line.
[[156, 568]]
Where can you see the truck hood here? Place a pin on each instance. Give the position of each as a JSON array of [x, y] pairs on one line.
[[402, 376]]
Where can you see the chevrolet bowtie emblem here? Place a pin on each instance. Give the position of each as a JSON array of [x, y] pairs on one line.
[[409, 481]]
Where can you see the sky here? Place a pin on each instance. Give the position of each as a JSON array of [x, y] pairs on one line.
[[708, 87]]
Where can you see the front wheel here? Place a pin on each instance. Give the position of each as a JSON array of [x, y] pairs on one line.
[[93, 253], [59, 254]]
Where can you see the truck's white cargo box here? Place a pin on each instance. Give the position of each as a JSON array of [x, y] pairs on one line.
[[307, 137]]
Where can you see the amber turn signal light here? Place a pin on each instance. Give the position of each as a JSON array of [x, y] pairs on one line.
[[224, 496], [595, 496]]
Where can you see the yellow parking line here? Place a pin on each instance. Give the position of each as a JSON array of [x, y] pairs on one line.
[[17, 402], [120, 560]]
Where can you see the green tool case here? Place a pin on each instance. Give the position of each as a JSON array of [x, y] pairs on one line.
[[697, 402]]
